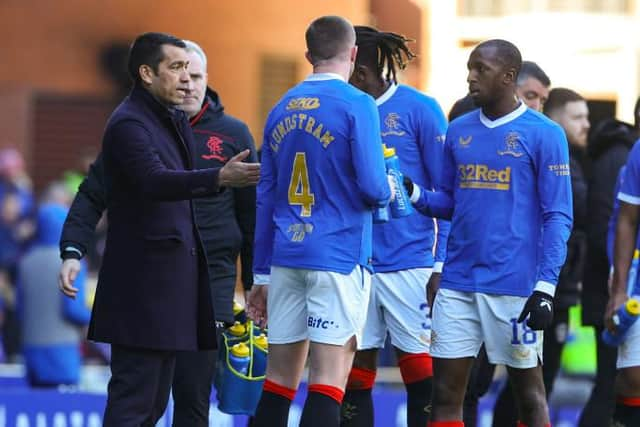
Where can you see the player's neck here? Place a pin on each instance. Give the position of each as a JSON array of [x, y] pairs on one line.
[[501, 107], [379, 89], [339, 68]]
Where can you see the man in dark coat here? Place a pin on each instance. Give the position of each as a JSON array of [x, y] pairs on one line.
[[609, 147], [153, 296], [226, 222]]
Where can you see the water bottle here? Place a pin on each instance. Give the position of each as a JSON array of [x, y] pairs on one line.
[[260, 355], [239, 315], [624, 317], [381, 215], [237, 330], [633, 274], [400, 206], [239, 358], [262, 342]]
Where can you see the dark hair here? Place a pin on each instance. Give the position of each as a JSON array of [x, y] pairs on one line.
[[531, 69], [506, 51], [380, 50], [327, 37], [461, 106], [558, 98], [147, 50], [636, 113]]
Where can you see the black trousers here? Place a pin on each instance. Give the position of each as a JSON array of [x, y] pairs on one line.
[[599, 408], [139, 387], [192, 382]]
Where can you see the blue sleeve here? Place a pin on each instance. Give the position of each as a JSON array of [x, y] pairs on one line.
[[630, 187], [76, 310], [613, 220], [265, 197], [553, 181], [439, 204], [431, 140], [366, 154]]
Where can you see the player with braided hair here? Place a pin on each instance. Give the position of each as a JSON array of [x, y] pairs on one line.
[[403, 261]]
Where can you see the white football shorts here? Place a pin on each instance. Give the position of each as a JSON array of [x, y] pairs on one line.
[[398, 305], [629, 350], [462, 321], [322, 306]]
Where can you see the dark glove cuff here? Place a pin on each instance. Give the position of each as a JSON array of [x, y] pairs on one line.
[[70, 254]]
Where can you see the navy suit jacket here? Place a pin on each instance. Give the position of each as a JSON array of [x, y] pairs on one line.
[[153, 289]]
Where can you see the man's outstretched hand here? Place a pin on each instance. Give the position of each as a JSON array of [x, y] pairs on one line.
[[236, 173]]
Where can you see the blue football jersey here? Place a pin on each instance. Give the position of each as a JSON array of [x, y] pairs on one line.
[[415, 126], [630, 185], [322, 174], [507, 189]]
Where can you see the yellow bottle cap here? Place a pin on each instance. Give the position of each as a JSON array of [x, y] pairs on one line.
[[633, 306], [240, 350], [388, 151], [261, 341], [237, 308], [636, 254], [238, 329]]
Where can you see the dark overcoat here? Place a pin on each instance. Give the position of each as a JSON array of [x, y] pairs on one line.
[[153, 289]]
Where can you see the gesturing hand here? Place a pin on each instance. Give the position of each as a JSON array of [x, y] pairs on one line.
[[68, 273], [539, 308], [236, 173]]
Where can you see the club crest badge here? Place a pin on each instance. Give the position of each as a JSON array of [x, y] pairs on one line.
[[512, 145]]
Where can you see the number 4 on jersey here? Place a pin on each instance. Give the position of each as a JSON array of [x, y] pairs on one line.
[[299, 191]]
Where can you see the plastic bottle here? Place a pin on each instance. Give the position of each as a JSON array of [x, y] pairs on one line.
[[237, 330], [633, 274], [624, 317], [239, 315], [262, 342], [381, 215], [260, 351], [239, 358], [400, 206]]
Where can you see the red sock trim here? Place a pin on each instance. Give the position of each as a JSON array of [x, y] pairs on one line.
[[415, 367], [628, 401], [328, 390], [446, 424], [280, 390], [361, 379]]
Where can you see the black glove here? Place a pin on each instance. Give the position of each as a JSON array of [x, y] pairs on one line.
[[539, 308], [408, 184]]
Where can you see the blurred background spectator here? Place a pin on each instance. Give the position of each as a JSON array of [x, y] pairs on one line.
[[52, 324]]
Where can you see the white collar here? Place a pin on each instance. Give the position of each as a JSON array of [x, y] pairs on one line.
[[522, 108], [386, 95], [316, 77]]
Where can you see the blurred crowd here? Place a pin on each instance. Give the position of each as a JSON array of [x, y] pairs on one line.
[[34, 315]]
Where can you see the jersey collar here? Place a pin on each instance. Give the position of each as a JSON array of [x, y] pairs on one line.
[[522, 108], [387, 95], [317, 77]]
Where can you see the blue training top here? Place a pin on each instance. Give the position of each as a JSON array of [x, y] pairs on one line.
[[507, 189], [415, 126], [322, 175]]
